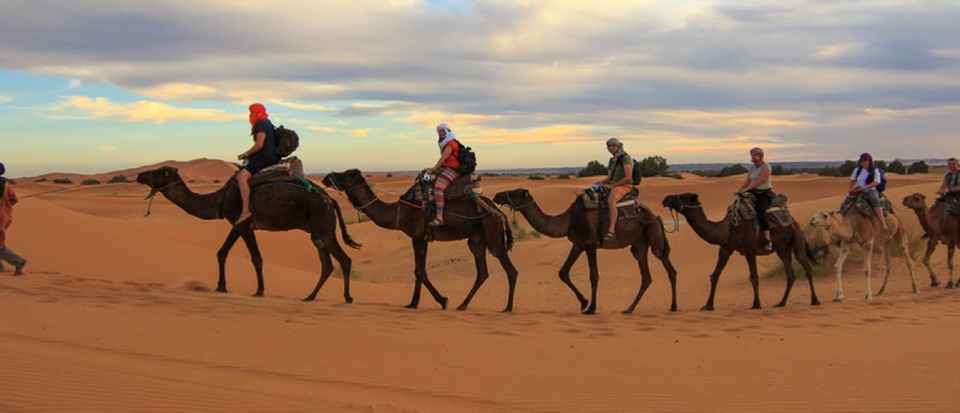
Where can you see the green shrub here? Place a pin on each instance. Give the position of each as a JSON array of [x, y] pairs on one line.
[[118, 179], [90, 182], [62, 181], [536, 177], [563, 176]]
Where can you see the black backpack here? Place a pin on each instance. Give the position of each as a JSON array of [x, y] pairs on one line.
[[883, 177], [467, 159], [287, 141], [637, 176]]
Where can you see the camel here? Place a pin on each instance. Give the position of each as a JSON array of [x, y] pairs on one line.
[[585, 229], [741, 236], [485, 228], [938, 230], [276, 207], [855, 227]]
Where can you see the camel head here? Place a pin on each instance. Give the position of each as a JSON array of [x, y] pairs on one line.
[[915, 201], [159, 179], [514, 198], [344, 180], [822, 218], [680, 202]]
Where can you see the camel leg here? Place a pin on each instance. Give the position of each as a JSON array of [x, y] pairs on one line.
[[640, 254], [251, 240], [867, 258], [844, 250], [786, 255], [326, 268], [222, 254], [512, 273], [901, 237], [931, 246], [722, 259], [572, 257], [886, 260], [594, 280], [420, 258], [480, 260], [754, 281], [950, 246], [800, 249]]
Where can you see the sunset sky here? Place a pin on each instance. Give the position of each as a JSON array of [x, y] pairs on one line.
[[99, 85]]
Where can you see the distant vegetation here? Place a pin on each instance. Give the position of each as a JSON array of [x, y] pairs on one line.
[[846, 169], [90, 182], [62, 181], [118, 179], [536, 177], [563, 176]]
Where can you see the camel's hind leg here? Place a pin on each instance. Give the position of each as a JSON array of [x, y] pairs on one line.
[[325, 249], [867, 258], [844, 251], [511, 270], [572, 257], [594, 280], [901, 239], [950, 246], [246, 232], [800, 249]]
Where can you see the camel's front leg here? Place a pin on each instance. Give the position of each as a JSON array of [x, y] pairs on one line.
[[844, 250], [594, 280], [246, 232], [420, 260], [572, 257], [950, 246], [480, 261], [722, 259], [754, 280], [931, 246], [222, 254]]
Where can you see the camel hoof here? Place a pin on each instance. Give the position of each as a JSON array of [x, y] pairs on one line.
[[222, 290], [838, 299], [815, 302], [508, 310], [461, 308], [349, 300], [950, 285], [756, 307], [590, 311], [584, 304], [258, 294], [443, 302], [411, 306], [309, 299], [706, 308], [780, 305]]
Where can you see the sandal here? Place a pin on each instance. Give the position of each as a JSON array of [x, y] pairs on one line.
[[609, 237], [436, 223]]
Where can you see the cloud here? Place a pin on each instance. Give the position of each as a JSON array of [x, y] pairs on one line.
[[360, 133], [108, 148], [80, 107]]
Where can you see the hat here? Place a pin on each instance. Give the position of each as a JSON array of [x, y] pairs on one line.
[[3, 170], [614, 141]]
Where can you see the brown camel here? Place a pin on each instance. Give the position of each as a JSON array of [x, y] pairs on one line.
[[740, 236], [484, 227], [863, 230], [584, 228], [938, 230], [276, 207]]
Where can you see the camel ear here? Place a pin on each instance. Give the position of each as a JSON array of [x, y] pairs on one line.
[[696, 198]]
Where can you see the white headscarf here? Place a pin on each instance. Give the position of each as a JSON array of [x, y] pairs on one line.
[[450, 136]]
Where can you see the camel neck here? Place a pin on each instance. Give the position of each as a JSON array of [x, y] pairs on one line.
[[553, 226], [203, 206]]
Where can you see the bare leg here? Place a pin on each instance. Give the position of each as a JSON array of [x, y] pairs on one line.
[[612, 209], [883, 220], [243, 181]]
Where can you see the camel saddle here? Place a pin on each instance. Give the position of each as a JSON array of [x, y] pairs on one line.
[[948, 203], [596, 198], [777, 215], [420, 194], [861, 204]]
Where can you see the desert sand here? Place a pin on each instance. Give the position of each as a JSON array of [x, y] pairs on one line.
[[116, 313]]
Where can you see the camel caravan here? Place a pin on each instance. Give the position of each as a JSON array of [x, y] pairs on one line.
[[757, 223]]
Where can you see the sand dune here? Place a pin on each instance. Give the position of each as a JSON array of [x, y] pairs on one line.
[[116, 313]]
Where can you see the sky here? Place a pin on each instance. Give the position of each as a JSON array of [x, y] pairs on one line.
[[92, 86]]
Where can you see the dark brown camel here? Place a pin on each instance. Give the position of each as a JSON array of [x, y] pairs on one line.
[[744, 238], [484, 227], [584, 228], [938, 230], [276, 207]]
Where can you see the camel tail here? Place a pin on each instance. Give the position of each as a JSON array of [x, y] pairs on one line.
[[665, 251], [811, 253], [347, 239]]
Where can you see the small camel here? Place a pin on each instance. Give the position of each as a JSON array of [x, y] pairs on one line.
[[867, 235], [584, 228], [485, 228], [741, 236], [276, 207], [938, 230]]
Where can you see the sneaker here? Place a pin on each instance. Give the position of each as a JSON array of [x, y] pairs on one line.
[[768, 246]]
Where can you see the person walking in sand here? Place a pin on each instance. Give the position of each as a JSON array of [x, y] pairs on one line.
[[8, 198], [261, 155]]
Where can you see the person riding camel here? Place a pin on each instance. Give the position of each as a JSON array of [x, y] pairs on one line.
[[261, 155]]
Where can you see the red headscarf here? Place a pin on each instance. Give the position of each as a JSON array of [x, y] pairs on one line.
[[257, 112]]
